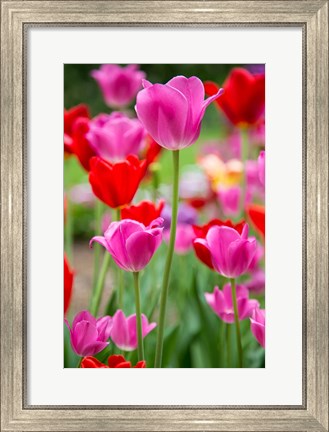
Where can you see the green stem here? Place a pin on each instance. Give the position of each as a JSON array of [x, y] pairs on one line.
[[244, 157], [237, 323], [79, 362], [68, 227], [97, 247], [138, 317], [97, 295], [166, 275], [120, 272], [228, 345]]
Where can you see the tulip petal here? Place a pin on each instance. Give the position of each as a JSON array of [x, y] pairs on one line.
[[140, 249], [163, 110], [119, 333], [99, 239]]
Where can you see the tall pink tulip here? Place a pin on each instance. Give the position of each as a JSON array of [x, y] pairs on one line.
[[131, 244], [231, 252], [221, 303], [124, 334], [89, 335], [257, 325], [119, 85], [114, 137], [172, 112]]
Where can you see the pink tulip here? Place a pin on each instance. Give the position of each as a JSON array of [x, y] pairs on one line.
[[115, 136], [131, 244], [229, 199], [231, 253], [172, 112], [257, 282], [261, 167], [257, 325], [184, 238], [221, 303], [89, 335], [124, 334], [119, 85]]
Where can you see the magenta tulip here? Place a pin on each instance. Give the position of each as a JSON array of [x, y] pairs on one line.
[[89, 335], [172, 112], [231, 253], [257, 325], [124, 334], [131, 244], [221, 303], [119, 85], [114, 137], [261, 167]]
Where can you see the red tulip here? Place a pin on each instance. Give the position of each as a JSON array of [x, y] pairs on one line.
[[70, 116], [116, 183], [256, 215], [243, 100], [201, 232], [68, 283], [81, 147], [152, 150], [144, 212], [91, 362], [114, 361]]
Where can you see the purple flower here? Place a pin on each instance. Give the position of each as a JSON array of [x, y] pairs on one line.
[[261, 167], [131, 244], [115, 136], [119, 85], [172, 113], [186, 215], [231, 253], [89, 335], [124, 334], [257, 325], [221, 303]]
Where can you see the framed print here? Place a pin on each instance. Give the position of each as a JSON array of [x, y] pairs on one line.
[[157, 208]]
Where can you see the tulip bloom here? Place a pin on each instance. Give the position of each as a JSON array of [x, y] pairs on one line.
[[124, 334], [257, 325], [231, 252], [114, 361], [114, 137], [89, 335], [202, 251], [119, 85], [131, 244], [116, 183], [172, 113], [144, 212], [222, 304], [256, 215], [243, 101], [261, 167], [70, 116], [68, 283]]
